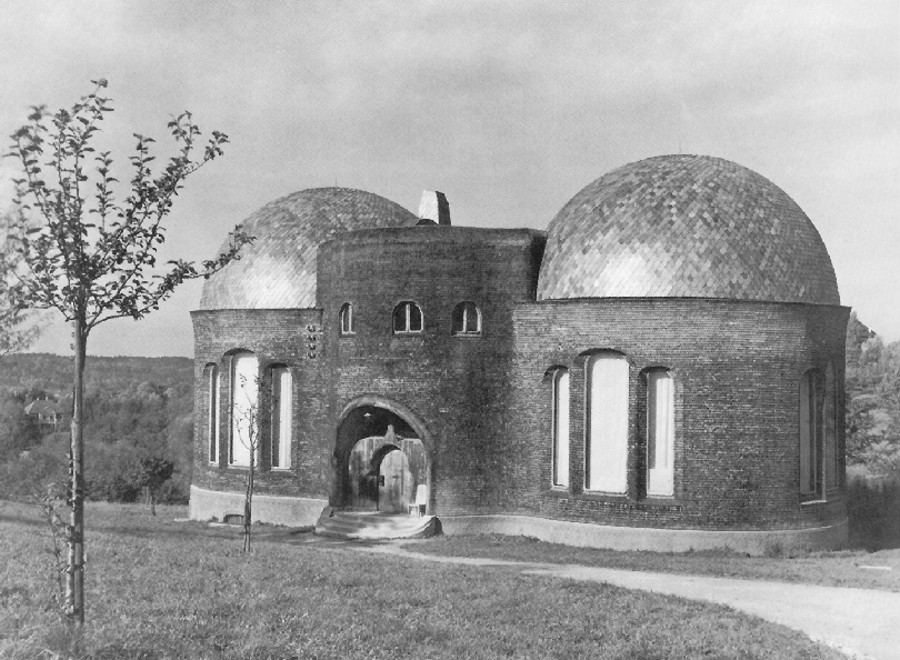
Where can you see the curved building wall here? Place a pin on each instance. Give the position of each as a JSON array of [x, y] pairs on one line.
[[457, 386], [737, 368], [286, 338]]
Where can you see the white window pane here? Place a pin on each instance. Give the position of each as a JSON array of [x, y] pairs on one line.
[[284, 419], [608, 424], [660, 433], [244, 407]]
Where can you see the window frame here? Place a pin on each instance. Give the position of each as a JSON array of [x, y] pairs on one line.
[[464, 309], [602, 434], [234, 433], [831, 431], [407, 306], [561, 425], [659, 481], [280, 417], [346, 320], [811, 436], [213, 439]]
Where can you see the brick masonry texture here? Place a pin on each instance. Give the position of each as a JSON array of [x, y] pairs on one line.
[[456, 386], [737, 348], [737, 369], [277, 337]]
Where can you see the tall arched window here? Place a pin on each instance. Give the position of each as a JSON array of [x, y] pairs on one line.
[[244, 437], [561, 427], [660, 433], [832, 455], [281, 418], [466, 319], [348, 323], [811, 459], [606, 460], [211, 374], [407, 318]]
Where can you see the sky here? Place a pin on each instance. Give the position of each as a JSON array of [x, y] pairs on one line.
[[509, 108]]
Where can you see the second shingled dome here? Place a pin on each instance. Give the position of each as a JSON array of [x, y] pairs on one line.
[[685, 226]]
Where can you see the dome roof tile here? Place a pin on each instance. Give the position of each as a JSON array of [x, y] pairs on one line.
[[685, 226], [278, 271]]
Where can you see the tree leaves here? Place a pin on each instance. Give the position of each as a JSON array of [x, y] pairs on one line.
[[87, 254]]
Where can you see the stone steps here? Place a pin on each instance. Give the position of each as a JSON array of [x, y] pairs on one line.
[[374, 525]]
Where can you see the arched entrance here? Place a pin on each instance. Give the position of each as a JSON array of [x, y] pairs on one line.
[[382, 463]]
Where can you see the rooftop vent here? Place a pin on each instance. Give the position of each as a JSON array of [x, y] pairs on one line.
[[434, 207]]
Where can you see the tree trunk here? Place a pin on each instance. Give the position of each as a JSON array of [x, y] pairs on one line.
[[75, 565], [248, 503]]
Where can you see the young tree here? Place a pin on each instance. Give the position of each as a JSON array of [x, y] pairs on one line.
[[246, 421], [154, 471], [92, 257]]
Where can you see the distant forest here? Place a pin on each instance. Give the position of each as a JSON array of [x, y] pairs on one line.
[[138, 425], [139, 420], [873, 403]]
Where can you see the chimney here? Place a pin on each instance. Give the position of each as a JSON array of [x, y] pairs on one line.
[[434, 207]]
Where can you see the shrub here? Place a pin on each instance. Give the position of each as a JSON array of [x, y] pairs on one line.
[[873, 506]]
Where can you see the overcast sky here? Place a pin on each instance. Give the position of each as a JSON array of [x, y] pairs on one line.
[[510, 108]]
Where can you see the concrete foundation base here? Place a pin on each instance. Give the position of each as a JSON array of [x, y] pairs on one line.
[[293, 511], [755, 542]]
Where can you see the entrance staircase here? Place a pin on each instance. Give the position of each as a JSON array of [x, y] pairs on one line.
[[373, 525]]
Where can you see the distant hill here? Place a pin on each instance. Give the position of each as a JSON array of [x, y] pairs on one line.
[[109, 375], [135, 409]]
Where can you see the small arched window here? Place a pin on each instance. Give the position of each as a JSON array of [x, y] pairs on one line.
[[561, 427], [348, 323], [407, 318], [466, 319]]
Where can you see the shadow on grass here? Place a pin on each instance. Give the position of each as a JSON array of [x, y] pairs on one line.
[[136, 523]]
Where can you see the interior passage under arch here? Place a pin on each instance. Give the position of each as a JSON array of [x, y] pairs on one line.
[[382, 462]]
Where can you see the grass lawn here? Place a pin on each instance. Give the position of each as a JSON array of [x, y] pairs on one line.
[[160, 589], [845, 568]]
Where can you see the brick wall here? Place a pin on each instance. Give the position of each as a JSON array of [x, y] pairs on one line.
[[457, 387], [483, 403], [737, 367], [285, 337]]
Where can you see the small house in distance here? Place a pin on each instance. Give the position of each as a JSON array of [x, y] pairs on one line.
[[48, 414], [662, 369]]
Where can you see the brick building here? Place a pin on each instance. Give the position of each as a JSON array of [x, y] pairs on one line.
[[662, 368]]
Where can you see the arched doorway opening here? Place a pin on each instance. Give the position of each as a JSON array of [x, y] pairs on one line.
[[382, 463]]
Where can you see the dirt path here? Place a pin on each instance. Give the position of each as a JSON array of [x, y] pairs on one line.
[[861, 622]]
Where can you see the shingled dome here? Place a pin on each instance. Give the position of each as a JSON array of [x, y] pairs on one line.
[[278, 271], [688, 227]]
